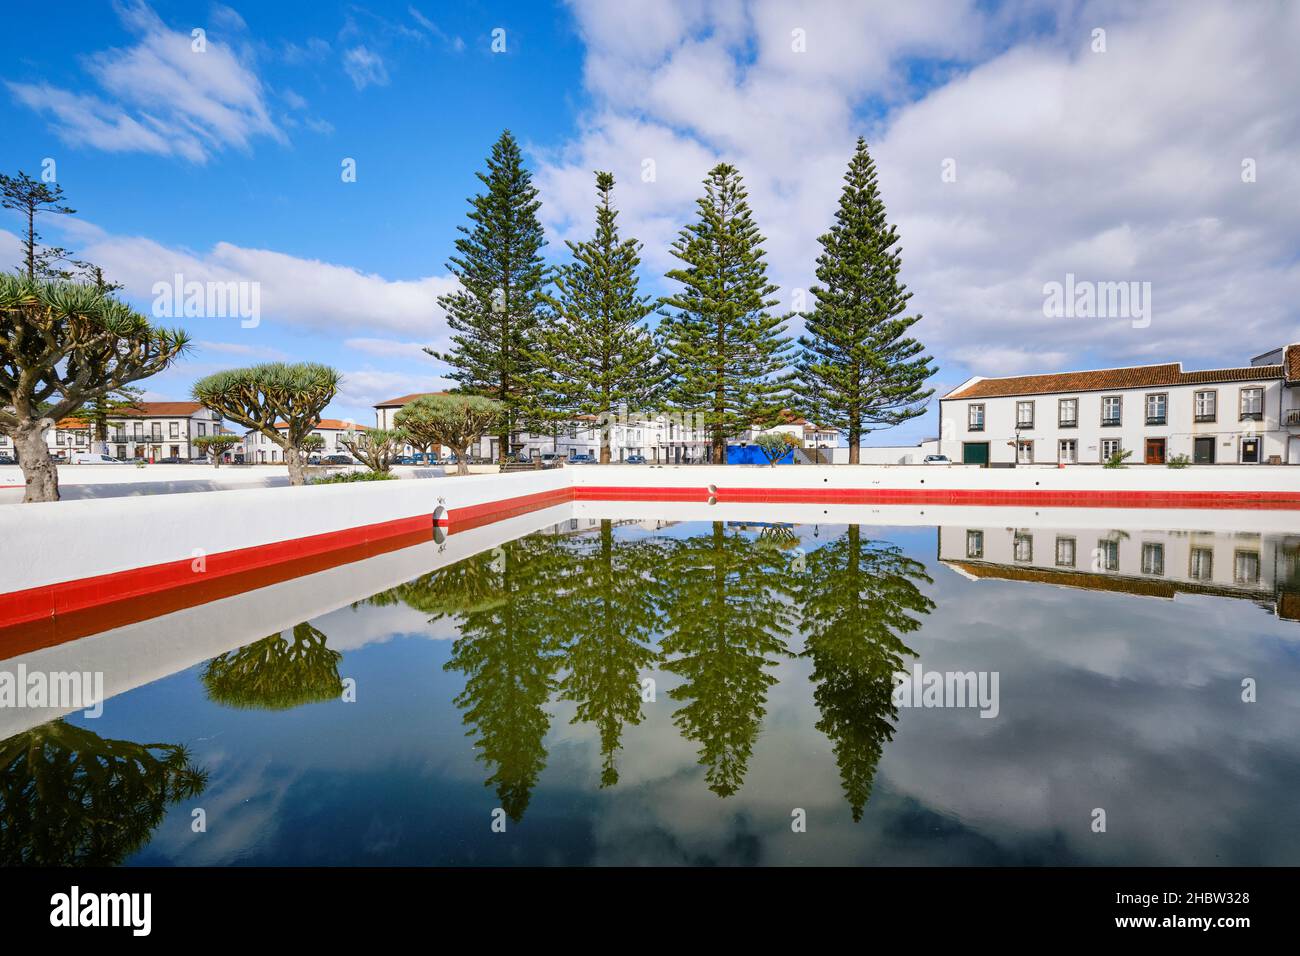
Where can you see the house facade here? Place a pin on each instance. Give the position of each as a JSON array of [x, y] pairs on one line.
[[147, 430], [1247, 414], [258, 449]]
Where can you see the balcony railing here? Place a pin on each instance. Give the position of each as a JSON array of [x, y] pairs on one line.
[[1155, 419], [1202, 419], [1072, 423], [1293, 417]]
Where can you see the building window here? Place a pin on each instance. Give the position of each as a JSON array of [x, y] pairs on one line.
[[974, 544], [1200, 567], [1252, 404], [1065, 548], [155, 429], [1206, 406], [1156, 408], [1111, 410], [203, 429], [173, 429], [139, 431], [1107, 555], [1110, 447], [1025, 451], [1068, 451], [1024, 547], [1153, 559], [1067, 413], [1024, 414], [975, 418], [1245, 567]]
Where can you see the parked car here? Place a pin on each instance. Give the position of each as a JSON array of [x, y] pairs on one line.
[[7, 460], [550, 457], [936, 460], [405, 460], [85, 458], [338, 460], [635, 459], [582, 459], [313, 459]]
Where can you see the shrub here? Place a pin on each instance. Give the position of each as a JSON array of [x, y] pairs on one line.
[[1117, 460], [1179, 461], [348, 476]]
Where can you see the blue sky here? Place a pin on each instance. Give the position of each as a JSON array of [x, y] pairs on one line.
[[1118, 164]]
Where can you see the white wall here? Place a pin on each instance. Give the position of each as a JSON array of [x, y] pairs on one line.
[[887, 454]]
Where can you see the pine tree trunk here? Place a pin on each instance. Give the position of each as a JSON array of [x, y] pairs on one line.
[[40, 473], [605, 452], [293, 458], [855, 446]]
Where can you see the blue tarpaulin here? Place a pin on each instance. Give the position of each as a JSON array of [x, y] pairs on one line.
[[753, 455]]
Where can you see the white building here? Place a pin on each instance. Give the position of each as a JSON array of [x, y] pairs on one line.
[[658, 438], [156, 430], [1243, 415], [258, 449]]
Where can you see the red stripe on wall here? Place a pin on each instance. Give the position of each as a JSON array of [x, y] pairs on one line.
[[40, 617], [1042, 498]]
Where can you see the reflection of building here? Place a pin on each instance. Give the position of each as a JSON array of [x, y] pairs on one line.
[[1259, 567], [1244, 415]]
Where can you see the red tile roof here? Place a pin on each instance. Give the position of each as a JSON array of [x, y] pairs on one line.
[[1291, 361], [405, 399], [327, 423], [1107, 379]]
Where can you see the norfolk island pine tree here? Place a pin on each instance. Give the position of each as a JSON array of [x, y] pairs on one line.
[[597, 356], [495, 313], [858, 369], [725, 353]]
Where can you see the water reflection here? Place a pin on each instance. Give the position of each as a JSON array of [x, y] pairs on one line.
[[582, 617], [69, 797], [276, 673], [858, 598]]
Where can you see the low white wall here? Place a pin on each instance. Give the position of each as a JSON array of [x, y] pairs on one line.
[[887, 454], [116, 481], [1209, 478], [70, 540]]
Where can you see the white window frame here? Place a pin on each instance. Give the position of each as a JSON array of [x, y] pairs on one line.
[[1118, 420]]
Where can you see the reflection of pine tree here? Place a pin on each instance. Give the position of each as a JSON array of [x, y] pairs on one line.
[[69, 797], [725, 620], [855, 596], [275, 673], [612, 617], [509, 651]]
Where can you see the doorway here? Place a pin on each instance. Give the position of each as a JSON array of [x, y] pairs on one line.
[[1203, 451], [1250, 451], [975, 453], [1155, 451]]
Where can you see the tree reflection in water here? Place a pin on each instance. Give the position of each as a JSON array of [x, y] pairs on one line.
[[69, 797], [855, 597], [574, 617], [276, 673]]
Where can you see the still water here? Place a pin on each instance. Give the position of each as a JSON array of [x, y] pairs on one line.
[[619, 691]]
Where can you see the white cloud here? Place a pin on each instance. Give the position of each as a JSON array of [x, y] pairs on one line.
[[305, 293], [365, 67], [388, 348], [161, 97], [363, 388], [1116, 166]]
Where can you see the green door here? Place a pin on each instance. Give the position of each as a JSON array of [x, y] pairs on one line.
[[975, 453]]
